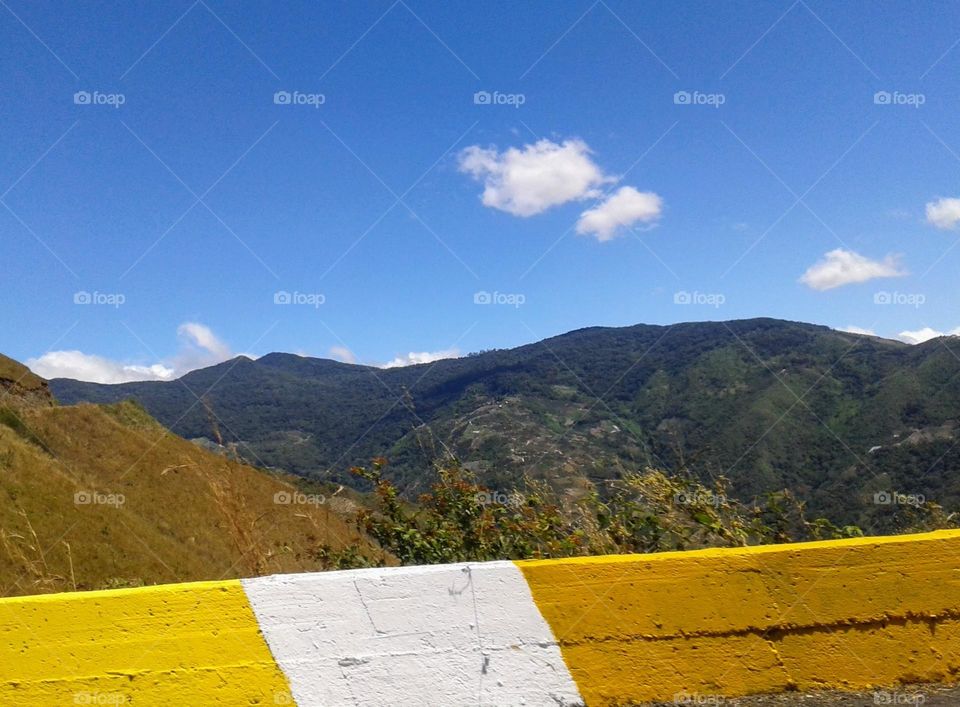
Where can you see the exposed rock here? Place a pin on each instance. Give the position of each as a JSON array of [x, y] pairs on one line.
[[19, 382]]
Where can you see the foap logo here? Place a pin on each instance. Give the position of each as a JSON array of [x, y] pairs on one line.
[[296, 98], [512, 299], [697, 698], [95, 697], [295, 498], [884, 697], [311, 299], [896, 98], [696, 98], [486, 98], [96, 98], [95, 498], [111, 299], [709, 299], [699, 499], [895, 498], [499, 498], [908, 299]]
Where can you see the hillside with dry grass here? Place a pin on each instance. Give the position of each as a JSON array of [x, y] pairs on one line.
[[98, 496]]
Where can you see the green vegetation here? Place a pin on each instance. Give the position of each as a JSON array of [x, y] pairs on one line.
[[770, 405], [459, 520], [103, 496]]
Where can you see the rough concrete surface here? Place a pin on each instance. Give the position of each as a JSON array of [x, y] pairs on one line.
[[917, 695]]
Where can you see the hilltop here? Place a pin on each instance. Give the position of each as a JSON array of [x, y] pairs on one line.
[[835, 417], [18, 381], [98, 496]]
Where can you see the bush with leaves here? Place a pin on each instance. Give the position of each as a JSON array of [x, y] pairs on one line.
[[460, 520]]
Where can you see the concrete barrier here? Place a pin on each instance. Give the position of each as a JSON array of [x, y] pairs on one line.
[[685, 627]]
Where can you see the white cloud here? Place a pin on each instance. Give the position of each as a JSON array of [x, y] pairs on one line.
[[621, 210], [342, 353], [96, 369], [943, 213], [203, 337], [200, 347], [421, 357], [851, 329], [529, 180], [845, 267], [925, 334]]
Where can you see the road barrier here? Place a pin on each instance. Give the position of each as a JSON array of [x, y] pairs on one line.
[[686, 627]]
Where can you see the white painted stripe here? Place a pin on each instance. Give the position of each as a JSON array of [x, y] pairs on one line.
[[438, 636]]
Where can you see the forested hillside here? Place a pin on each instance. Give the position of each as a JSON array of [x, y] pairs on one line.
[[835, 417]]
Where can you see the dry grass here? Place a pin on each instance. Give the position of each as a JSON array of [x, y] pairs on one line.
[[16, 372], [186, 514]]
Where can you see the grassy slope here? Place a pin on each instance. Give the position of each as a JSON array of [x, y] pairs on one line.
[[187, 514], [15, 371]]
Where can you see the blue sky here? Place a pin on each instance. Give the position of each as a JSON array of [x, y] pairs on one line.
[[635, 163]]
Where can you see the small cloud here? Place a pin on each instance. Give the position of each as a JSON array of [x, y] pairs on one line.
[[943, 213], [342, 353], [413, 358], [621, 210], [925, 334], [200, 347], [851, 329], [529, 180], [845, 267]]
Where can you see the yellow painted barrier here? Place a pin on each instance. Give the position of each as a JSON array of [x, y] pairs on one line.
[[616, 630], [848, 614], [196, 644]]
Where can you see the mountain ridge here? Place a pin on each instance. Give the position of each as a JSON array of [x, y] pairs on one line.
[[334, 364], [771, 403]]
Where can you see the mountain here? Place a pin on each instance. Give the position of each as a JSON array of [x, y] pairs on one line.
[[833, 416], [97, 496]]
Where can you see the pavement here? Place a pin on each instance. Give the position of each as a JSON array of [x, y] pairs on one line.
[[903, 696]]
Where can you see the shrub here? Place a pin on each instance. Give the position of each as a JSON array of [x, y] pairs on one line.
[[460, 520]]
